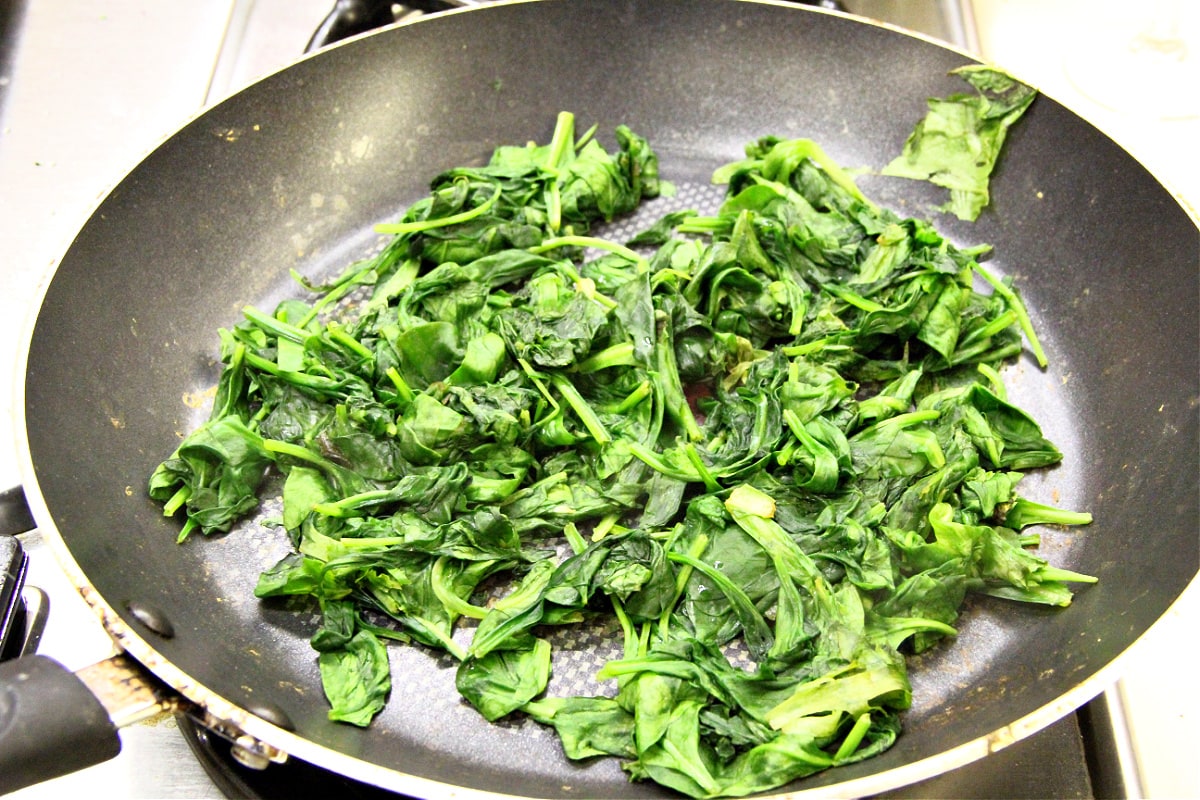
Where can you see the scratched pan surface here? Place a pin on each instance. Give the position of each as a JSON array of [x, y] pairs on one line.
[[293, 172]]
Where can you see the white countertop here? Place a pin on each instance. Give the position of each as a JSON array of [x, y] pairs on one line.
[[80, 130]]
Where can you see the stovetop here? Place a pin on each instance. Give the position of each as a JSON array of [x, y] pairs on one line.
[[86, 89]]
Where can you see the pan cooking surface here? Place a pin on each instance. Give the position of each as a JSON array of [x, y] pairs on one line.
[[125, 340]]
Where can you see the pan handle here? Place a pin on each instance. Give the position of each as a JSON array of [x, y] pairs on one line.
[[54, 722], [50, 723], [15, 516]]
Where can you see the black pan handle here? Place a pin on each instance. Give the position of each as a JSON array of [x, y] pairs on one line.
[[15, 516], [54, 722], [50, 723]]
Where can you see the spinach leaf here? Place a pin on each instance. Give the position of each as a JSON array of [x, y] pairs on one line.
[[356, 678], [587, 726], [215, 473], [502, 681], [958, 143]]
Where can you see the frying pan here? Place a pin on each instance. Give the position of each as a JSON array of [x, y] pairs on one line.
[[293, 172]]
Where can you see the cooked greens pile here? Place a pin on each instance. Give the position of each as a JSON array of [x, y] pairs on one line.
[[773, 442]]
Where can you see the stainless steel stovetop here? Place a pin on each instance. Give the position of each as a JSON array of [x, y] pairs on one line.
[[87, 87]]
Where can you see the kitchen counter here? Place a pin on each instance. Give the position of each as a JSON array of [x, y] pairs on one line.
[[94, 85]]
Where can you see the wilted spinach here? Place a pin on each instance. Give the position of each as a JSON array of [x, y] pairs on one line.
[[783, 427], [958, 142]]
